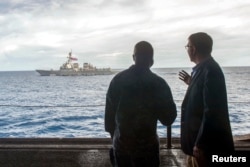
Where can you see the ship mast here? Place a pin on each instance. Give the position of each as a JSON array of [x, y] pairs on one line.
[[69, 57]]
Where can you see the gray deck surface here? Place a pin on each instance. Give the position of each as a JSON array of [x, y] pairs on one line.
[[79, 152]]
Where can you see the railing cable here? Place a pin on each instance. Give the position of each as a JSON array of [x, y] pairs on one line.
[[83, 106], [49, 106]]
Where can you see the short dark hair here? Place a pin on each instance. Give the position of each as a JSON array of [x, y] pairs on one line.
[[202, 42], [144, 53]]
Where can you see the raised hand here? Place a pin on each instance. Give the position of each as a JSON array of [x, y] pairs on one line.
[[184, 76]]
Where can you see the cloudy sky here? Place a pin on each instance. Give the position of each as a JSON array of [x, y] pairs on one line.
[[39, 34]]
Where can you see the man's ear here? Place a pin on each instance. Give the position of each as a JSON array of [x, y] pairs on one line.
[[134, 58], [193, 50], [151, 63]]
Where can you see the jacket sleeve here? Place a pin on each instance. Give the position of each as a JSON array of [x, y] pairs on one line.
[[109, 117], [166, 107]]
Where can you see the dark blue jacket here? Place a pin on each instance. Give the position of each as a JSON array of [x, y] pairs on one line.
[[204, 116], [136, 99]]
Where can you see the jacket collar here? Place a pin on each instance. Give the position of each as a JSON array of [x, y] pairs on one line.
[[197, 70]]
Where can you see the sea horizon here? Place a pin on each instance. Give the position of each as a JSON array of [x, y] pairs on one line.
[[187, 67]]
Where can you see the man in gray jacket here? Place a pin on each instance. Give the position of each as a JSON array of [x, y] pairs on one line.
[[136, 100]]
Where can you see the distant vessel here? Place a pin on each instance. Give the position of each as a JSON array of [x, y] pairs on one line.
[[73, 69]]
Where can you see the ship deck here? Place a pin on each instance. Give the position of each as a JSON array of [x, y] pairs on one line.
[[81, 152]]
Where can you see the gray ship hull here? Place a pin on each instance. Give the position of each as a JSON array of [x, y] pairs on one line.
[[73, 73], [73, 69]]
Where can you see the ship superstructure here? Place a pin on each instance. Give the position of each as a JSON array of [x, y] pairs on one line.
[[69, 68]]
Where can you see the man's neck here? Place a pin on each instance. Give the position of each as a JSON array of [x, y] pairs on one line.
[[200, 58]]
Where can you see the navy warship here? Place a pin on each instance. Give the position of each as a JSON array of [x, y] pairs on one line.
[[73, 69]]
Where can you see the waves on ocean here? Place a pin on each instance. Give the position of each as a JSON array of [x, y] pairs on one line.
[[55, 106]]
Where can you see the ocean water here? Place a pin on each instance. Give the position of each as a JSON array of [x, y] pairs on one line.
[[70, 107]]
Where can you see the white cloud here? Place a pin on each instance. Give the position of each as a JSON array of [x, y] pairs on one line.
[[104, 32], [10, 48]]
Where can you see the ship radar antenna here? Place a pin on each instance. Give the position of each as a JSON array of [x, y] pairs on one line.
[[70, 53]]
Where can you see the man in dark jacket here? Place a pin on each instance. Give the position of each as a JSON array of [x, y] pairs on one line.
[[205, 125], [136, 100]]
